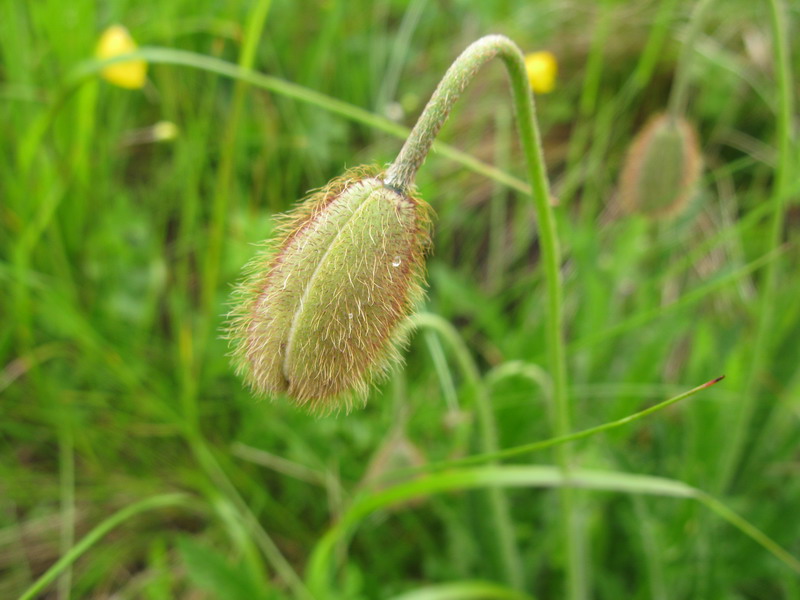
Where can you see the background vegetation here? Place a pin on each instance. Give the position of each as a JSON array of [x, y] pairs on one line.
[[118, 253]]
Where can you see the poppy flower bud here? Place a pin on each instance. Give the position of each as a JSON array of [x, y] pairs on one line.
[[317, 319], [662, 168]]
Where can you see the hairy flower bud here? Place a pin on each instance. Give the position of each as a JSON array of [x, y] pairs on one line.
[[661, 169], [317, 319]]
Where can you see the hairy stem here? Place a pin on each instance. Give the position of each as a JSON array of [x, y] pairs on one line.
[[401, 174]]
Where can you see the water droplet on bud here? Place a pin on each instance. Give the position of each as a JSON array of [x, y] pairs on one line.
[[396, 262]]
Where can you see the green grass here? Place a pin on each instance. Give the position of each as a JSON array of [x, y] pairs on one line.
[[133, 462]]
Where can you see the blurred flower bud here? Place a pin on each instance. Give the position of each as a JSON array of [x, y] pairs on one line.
[[661, 169]]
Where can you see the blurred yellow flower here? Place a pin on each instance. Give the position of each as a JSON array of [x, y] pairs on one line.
[[542, 69], [116, 41]]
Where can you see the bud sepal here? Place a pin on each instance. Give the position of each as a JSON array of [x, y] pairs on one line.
[[317, 318]]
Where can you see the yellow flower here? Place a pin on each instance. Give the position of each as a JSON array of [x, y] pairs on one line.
[[130, 74], [542, 69]]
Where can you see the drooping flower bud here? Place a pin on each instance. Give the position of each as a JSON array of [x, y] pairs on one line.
[[662, 168], [317, 319]]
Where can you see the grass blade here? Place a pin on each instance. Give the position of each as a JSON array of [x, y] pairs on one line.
[[96, 534]]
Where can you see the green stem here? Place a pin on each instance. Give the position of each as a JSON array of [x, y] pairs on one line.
[[32, 141], [96, 534], [780, 196], [401, 175], [529, 476], [66, 476], [650, 56], [222, 190], [498, 207], [217, 475], [463, 590], [518, 368], [680, 88], [579, 143], [498, 502], [750, 530], [476, 459], [220, 208]]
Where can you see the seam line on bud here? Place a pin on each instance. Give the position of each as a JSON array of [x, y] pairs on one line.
[[395, 188], [307, 289]]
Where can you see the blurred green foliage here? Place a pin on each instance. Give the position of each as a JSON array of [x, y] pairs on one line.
[[118, 254]]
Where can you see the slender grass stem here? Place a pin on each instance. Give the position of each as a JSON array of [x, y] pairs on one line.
[[463, 590], [220, 206], [680, 88], [96, 534], [498, 208], [66, 476], [766, 307], [169, 56], [587, 108], [498, 501], [208, 462], [750, 530], [650, 56], [556, 441], [401, 175], [650, 549], [528, 476], [605, 123], [704, 291]]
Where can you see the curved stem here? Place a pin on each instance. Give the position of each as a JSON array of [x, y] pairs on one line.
[[401, 175], [477, 459], [517, 476], [85, 71], [526, 370], [498, 501], [403, 170]]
